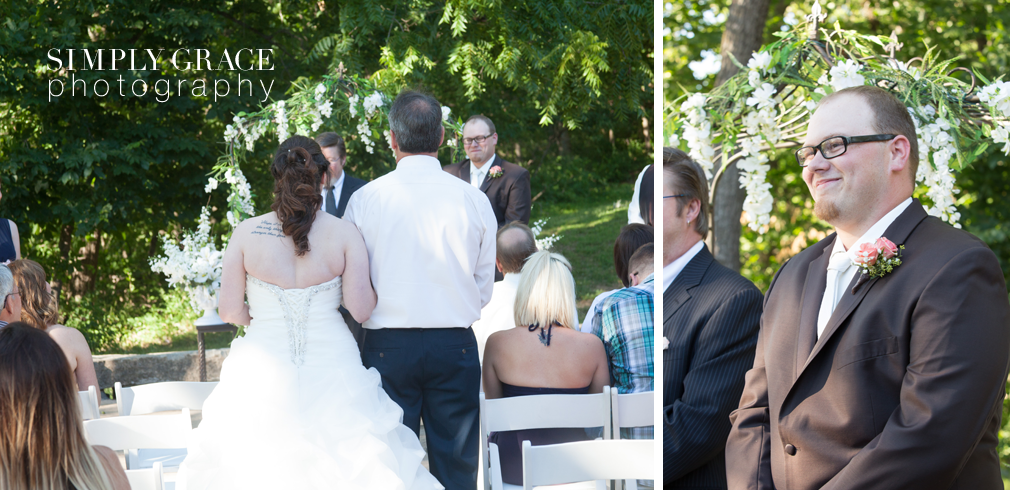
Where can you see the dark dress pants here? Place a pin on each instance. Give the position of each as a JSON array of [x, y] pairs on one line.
[[434, 374]]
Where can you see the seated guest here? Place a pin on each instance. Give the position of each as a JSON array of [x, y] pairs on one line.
[[626, 327], [11, 311], [10, 241], [632, 237], [39, 309], [543, 354], [43, 444], [515, 243]]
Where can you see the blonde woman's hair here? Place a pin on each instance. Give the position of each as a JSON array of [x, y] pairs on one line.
[[546, 292], [38, 305], [42, 444]]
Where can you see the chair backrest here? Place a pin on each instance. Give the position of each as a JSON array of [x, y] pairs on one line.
[[89, 403], [588, 460], [540, 412], [135, 432], [162, 397], [146, 479], [631, 410]]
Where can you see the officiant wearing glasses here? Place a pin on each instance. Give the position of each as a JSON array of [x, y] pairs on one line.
[[506, 185]]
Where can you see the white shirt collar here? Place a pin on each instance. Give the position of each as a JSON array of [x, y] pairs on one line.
[[338, 185], [480, 173], [672, 270], [875, 231], [418, 161]]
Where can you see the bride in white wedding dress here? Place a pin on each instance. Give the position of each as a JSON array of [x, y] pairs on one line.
[[295, 408]]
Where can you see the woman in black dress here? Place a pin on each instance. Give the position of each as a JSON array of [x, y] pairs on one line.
[[10, 241]]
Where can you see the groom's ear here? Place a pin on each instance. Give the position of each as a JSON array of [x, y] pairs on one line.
[[392, 141], [441, 137]]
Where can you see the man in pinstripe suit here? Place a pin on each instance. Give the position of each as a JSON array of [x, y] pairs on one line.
[[710, 319]]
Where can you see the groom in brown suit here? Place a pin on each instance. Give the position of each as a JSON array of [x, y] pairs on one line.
[[889, 382], [507, 185]]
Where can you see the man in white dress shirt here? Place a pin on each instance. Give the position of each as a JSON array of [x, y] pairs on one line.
[[431, 250], [515, 243]]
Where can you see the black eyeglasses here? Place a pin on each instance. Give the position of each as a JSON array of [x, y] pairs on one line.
[[477, 139], [835, 146]]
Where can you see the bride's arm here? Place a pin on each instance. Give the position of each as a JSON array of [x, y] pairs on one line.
[[359, 297], [231, 299]]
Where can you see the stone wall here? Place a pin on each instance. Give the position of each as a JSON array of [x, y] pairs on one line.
[[131, 370]]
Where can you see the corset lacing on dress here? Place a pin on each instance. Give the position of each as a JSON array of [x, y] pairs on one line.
[[295, 303]]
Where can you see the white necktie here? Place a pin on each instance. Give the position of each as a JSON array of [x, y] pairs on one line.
[[837, 266], [475, 178]]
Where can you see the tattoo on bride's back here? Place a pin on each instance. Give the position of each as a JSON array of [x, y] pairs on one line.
[[269, 228]]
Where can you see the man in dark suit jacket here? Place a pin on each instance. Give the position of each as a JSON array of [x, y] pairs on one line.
[[710, 319], [863, 380], [337, 190], [507, 185]]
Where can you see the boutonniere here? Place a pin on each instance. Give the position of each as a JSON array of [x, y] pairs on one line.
[[876, 259], [494, 172], [666, 343]]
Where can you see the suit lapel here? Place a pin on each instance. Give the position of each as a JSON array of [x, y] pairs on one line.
[[487, 179], [813, 292], [898, 233], [679, 291], [464, 171], [345, 195]]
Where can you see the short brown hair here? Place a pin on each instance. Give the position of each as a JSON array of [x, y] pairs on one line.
[[643, 258], [513, 252], [890, 116], [482, 118], [632, 237], [330, 139], [686, 177]]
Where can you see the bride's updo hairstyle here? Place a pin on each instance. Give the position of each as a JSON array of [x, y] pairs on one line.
[[298, 169]]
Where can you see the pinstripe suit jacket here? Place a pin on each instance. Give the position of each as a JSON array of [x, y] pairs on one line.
[[710, 317]]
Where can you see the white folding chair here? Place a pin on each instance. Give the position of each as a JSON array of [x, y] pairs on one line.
[[631, 410], [587, 460], [162, 397], [89, 403], [146, 479], [148, 439], [537, 412]]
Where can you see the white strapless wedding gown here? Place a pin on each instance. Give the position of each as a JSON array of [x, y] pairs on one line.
[[296, 409]]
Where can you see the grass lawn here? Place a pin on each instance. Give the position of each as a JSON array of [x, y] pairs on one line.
[[587, 229]]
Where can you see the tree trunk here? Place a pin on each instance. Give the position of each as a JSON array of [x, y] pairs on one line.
[[742, 37], [85, 278]]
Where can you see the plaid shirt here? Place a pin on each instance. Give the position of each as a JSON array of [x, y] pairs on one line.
[[626, 328]]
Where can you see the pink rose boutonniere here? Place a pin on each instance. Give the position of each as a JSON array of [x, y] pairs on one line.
[[494, 172], [879, 258]]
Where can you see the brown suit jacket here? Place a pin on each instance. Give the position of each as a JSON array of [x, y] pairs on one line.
[[903, 389], [509, 194]]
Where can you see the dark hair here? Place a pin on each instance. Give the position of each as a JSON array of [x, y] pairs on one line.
[[645, 195], [684, 176], [484, 119], [631, 238], [416, 120], [297, 169], [330, 139], [890, 116], [513, 252], [643, 256], [42, 443]]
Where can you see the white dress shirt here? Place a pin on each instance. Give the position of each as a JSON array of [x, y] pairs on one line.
[[587, 323], [499, 313], [477, 175], [431, 246], [337, 187], [846, 275], [672, 270], [634, 210]]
